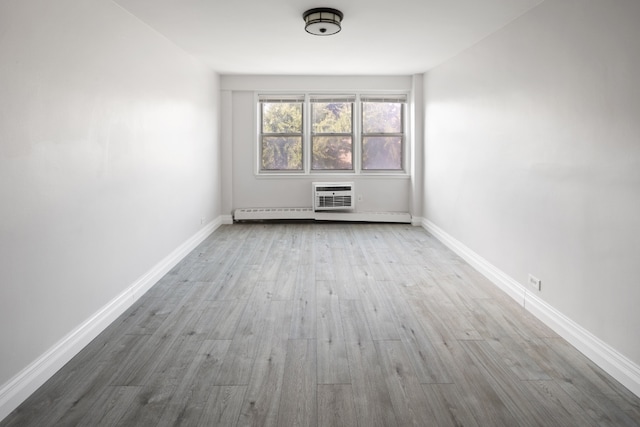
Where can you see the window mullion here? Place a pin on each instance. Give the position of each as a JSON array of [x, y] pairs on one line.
[[357, 135], [306, 138]]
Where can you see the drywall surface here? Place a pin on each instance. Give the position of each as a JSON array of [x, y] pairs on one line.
[[532, 158], [109, 160], [377, 193]]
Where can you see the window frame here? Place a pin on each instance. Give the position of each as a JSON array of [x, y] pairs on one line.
[[322, 99], [402, 134], [357, 135], [283, 99]]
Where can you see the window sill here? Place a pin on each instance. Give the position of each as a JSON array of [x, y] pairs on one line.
[[334, 175]]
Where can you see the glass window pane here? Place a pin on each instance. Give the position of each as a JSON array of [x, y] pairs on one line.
[[331, 117], [281, 153], [382, 117], [332, 153], [382, 153], [282, 117]]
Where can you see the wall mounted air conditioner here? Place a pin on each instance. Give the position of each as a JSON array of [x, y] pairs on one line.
[[330, 196]]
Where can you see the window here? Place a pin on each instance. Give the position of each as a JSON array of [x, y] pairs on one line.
[[331, 133], [281, 134], [382, 134]]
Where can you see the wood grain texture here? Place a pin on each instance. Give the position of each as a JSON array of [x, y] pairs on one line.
[[327, 324], [335, 405]]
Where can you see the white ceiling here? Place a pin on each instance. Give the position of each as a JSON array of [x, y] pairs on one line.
[[378, 37]]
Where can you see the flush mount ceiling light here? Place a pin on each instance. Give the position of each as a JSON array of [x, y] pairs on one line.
[[322, 21]]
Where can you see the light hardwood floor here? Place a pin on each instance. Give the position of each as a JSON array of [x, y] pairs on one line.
[[305, 324]]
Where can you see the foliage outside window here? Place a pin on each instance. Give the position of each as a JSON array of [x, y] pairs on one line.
[[331, 134], [281, 134], [340, 133], [382, 134]]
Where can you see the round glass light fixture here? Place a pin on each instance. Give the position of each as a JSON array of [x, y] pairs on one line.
[[322, 21]]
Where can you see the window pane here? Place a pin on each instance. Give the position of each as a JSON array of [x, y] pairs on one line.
[[281, 153], [282, 117], [332, 153], [331, 117], [382, 117], [382, 152]]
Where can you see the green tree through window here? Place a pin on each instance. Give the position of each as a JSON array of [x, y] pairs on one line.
[[281, 136], [382, 135], [332, 135]]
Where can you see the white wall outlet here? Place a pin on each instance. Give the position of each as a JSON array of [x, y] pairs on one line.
[[534, 282], [201, 220]]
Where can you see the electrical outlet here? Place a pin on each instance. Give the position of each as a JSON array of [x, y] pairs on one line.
[[360, 198], [201, 220], [534, 282]]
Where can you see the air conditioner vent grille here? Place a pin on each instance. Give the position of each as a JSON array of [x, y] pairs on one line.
[[334, 188], [334, 201]]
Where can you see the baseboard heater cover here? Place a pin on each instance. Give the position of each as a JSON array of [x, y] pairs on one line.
[[308, 213], [273, 213]]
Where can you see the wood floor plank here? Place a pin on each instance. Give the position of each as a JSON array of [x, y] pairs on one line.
[[508, 388], [407, 396], [223, 407], [477, 390], [560, 406], [237, 284], [426, 360], [449, 405], [304, 321], [298, 405], [329, 322], [110, 406], [379, 314], [219, 320], [335, 406], [156, 349], [287, 278], [343, 273], [451, 315], [372, 401], [153, 401], [262, 399], [333, 363], [355, 326], [238, 362], [191, 396]]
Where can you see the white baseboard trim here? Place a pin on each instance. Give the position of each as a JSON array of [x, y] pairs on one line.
[[22, 385], [605, 356], [416, 221], [226, 219]]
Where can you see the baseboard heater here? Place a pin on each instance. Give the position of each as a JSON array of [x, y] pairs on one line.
[[259, 214]]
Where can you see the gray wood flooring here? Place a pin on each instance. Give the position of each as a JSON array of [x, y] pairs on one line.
[[322, 324]]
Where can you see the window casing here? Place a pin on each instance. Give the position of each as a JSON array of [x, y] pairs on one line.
[[382, 133], [332, 133], [281, 134]]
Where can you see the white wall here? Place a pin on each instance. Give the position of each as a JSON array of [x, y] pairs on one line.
[[109, 158], [532, 159], [246, 189]]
